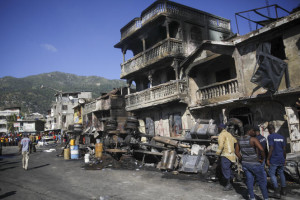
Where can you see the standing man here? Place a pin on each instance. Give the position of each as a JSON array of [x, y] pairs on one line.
[[32, 143], [251, 164], [226, 150], [263, 141], [25, 145], [276, 160]]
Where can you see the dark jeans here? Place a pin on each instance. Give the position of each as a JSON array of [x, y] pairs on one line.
[[280, 170], [255, 171], [265, 173], [226, 168]]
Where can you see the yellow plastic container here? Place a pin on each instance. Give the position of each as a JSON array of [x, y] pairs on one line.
[[98, 150], [72, 142], [67, 154]]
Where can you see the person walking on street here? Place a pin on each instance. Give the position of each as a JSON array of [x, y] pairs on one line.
[[245, 150], [226, 150], [25, 145], [276, 160]]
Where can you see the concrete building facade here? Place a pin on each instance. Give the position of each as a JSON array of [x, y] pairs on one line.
[[61, 114], [163, 36], [3, 117], [253, 78]]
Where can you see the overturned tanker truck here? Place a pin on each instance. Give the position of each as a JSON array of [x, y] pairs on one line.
[[193, 153]]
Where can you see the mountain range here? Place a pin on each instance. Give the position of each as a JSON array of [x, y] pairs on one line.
[[27, 92]]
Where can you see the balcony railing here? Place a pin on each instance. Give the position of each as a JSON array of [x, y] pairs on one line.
[[164, 48], [218, 89], [156, 95], [171, 8], [131, 27], [89, 107]]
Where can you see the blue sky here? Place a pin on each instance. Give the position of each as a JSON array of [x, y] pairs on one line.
[[77, 36]]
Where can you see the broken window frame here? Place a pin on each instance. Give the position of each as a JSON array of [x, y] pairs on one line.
[[172, 124]]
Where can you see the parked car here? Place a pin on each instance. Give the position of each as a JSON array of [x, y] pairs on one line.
[[46, 140]]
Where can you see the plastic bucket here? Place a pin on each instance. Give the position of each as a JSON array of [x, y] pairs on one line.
[[98, 150], [67, 154], [87, 158], [72, 142], [98, 141], [74, 152]]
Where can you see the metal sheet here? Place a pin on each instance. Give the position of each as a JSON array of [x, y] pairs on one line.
[[270, 70]]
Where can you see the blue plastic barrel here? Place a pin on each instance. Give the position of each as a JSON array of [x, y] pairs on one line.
[[74, 152]]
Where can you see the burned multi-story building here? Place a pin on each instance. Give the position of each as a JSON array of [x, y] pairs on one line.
[[254, 78], [163, 36], [192, 73]]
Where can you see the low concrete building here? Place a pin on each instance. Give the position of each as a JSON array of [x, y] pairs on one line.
[[3, 117], [30, 126]]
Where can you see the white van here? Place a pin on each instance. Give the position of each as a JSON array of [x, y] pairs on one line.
[[46, 140]]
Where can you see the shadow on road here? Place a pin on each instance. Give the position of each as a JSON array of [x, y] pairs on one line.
[[8, 163], [9, 155], [7, 168], [39, 166], [7, 194]]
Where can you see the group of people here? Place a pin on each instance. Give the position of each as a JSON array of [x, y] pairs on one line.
[[10, 139], [252, 152]]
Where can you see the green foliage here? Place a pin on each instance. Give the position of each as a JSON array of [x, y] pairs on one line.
[[10, 122], [27, 93]]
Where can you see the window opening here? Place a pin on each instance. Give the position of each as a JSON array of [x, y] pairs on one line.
[[244, 114], [196, 34], [223, 75], [175, 124], [277, 48]]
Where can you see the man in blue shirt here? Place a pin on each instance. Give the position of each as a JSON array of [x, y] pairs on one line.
[[276, 160], [25, 145]]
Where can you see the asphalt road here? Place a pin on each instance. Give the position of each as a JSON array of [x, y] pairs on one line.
[[52, 177]]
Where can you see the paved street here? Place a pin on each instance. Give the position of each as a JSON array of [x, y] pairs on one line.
[[52, 177]]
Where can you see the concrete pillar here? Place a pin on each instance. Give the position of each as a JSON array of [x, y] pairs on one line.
[[124, 53], [150, 78], [129, 82], [175, 65]]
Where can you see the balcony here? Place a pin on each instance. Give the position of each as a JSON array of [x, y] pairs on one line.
[[159, 8], [164, 93], [103, 104], [3, 130], [89, 107], [218, 92], [167, 47]]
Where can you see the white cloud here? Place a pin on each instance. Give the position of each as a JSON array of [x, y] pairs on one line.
[[49, 47]]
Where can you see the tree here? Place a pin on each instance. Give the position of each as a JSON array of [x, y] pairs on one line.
[[10, 123]]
